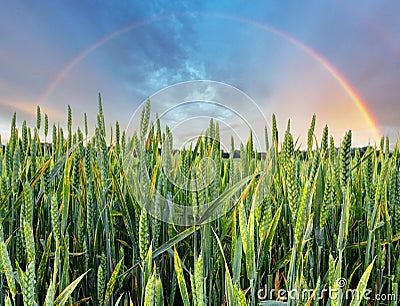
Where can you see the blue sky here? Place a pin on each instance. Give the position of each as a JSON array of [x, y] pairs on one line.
[[160, 43]]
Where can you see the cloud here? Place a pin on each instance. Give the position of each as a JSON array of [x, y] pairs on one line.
[[361, 42]]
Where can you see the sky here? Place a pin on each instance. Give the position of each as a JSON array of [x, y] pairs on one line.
[[237, 62]]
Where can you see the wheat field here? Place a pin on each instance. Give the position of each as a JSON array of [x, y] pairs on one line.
[[76, 225]]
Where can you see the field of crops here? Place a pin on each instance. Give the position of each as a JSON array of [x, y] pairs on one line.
[[77, 218]]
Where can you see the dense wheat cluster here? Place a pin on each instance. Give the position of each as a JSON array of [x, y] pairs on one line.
[[74, 230]]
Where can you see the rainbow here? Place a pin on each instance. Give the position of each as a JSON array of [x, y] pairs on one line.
[[355, 97]]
